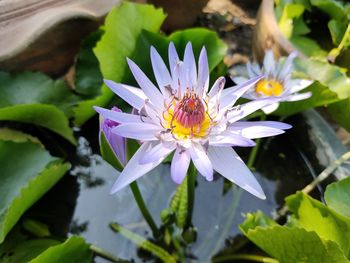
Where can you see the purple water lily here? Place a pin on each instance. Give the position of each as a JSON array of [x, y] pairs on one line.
[[185, 117], [277, 81]]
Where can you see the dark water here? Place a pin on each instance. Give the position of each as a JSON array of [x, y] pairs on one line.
[[280, 170], [81, 204]]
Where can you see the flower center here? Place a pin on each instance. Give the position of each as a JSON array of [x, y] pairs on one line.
[[189, 112], [269, 87], [188, 118]]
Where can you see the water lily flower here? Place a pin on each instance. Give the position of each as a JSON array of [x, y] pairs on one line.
[[117, 142], [277, 81], [184, 117]]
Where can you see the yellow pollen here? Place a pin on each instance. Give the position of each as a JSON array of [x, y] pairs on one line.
[[269, 87], [174, 117]]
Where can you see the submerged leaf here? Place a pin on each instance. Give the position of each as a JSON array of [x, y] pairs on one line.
[[144, 243]]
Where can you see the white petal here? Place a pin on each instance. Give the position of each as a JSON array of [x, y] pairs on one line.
[[201, 161], [253, 70], [179, 165], [160, 150], [160, 70], [179, 79], [248, 108], [270, 108], [217, 87], [269, 63], [296, 85], [227, 138], [173, 58], [203, 72], [259, 129], [190, 66], [215, 94], [298, 96], [239, 80], [138, 131], [133, 96], [231, 95], [287, 67], [134, 170], [119, 117], [227, 162], [146, 85]]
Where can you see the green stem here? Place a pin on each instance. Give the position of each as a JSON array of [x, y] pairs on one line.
[[142, 206], [105, 254], [236, 257], [191, 181]]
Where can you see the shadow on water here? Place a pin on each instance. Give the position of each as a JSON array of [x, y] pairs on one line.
[[80, 203]]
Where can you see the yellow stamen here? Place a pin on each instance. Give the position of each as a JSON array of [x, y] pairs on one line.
[[269, 87], [181, 131]]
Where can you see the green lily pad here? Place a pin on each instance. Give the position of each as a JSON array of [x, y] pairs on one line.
[[18, 248], [340, 112], [74, 249], [35, 88], [122, 28], [337, 196], [28, 171], [47, 116], [88, 77], [130, 30], [321, 96], [293, 244], [312, 215]]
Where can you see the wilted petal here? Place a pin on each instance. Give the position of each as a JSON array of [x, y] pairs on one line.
[[146, 85], [134, 169], [160, 70], [179, 165], [160, 150], [259, 129], [138, 131], [133, 96], [201, 161], [203, 72], [227, 162]]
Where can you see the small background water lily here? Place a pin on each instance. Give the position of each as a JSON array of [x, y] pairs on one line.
[[184, 116], [277, 81]]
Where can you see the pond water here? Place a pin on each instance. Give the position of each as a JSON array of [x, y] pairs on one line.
[[81, 204]]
